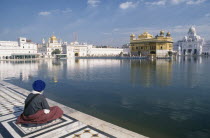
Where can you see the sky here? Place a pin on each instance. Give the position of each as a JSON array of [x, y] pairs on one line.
[[101, 22]]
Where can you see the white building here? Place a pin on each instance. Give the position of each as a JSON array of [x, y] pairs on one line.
[[191, 44], [47, 48], [206, 48], [20, 49], [126, 49], [75, 49]]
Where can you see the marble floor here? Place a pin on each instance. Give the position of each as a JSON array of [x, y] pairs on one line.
[[73, 124]]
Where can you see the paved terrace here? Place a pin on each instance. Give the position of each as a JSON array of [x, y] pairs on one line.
[[73, 124]]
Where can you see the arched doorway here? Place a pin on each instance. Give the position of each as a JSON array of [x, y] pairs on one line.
[[189, 51], [195, 52], [184, 52], [76, 54], [152, 52]]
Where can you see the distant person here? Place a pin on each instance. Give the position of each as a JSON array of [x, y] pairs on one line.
[[37, 110]]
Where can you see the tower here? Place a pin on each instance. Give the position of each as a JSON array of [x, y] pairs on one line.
[[132, 36], [43, 41], [75, 36]]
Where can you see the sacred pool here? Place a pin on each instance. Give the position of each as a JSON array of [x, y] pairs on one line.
[[156, 98]]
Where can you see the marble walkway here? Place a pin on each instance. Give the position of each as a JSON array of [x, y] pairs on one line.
[[73, 124]]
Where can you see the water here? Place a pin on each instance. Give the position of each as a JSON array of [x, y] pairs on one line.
[[156, 98]]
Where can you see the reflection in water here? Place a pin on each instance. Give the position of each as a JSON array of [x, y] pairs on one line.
[[157, 98], [85, 69], [191, 68], [22, 70], [149, 72]]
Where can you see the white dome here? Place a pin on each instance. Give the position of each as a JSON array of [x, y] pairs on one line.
[[185, 38], [192, 30]]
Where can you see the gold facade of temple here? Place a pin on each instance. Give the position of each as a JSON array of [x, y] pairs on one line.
[[146, 45]]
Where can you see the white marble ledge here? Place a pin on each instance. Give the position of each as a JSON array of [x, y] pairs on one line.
[[84, 118]]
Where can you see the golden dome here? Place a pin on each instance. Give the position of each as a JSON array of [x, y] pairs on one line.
[[132, 35], [145, 35], [168, 34], [53, 39], [161, 33]]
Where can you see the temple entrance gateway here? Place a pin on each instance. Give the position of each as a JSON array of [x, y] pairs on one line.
[[189, 51], [191, 44]]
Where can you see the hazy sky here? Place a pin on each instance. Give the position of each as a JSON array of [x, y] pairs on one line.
[[101, 22]]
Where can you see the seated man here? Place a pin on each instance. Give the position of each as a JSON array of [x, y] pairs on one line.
[[37, 110]]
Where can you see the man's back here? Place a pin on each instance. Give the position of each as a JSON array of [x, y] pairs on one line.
[[38, 103]]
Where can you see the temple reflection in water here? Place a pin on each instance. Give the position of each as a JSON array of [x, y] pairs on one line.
[[191, 70], [150, 72], [22, 70], [140, 72]]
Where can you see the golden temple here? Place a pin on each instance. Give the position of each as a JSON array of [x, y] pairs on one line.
[[147, 45]]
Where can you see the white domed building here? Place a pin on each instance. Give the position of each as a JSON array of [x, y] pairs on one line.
[[46, 48], [192, 44]]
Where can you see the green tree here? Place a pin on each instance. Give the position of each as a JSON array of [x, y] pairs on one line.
[[56, 51]]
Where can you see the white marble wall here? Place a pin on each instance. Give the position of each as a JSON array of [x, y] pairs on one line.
[[7, 48], [84, 50]]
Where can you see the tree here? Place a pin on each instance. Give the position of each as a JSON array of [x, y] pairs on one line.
[[121, 54], [56, 51]]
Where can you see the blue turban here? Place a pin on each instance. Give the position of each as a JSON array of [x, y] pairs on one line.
[[39, 85]]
